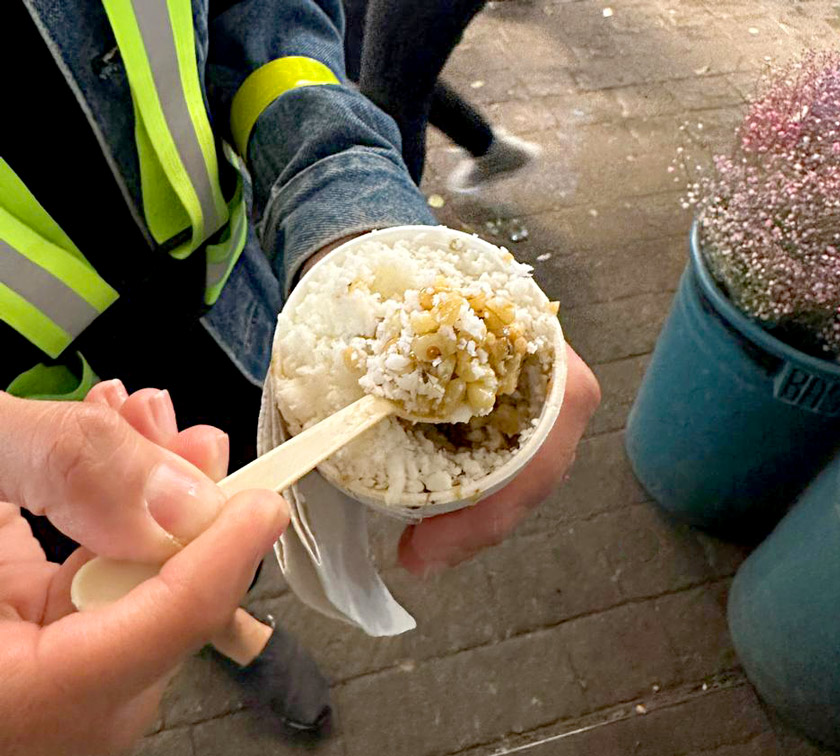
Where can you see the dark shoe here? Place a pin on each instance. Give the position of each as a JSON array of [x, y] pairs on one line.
[[507, 155], [286, 679]]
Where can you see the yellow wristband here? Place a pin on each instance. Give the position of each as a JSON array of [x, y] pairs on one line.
[[265, 85]]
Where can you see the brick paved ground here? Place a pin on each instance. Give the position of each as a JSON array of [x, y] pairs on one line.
[[599, 627]]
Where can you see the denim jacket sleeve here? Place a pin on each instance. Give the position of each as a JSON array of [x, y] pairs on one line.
[[324, 161]]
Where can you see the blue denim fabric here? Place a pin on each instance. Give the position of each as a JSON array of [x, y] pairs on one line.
[[324, 162]]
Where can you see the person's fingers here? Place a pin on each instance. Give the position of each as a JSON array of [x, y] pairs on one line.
[[205, 446], [142, 636], [110, 393], [150, 412], [448, 539], [101, 482]]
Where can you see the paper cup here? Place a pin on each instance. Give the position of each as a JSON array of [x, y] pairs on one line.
[[414, 506]]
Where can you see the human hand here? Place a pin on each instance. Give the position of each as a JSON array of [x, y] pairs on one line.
[[90, 683], [445, 540]]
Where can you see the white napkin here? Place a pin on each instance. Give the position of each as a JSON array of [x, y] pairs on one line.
[[324, 554]]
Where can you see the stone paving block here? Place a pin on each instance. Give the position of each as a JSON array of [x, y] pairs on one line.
[[454, 610], [444, 705], [615, 330], [619, 381], [544, 579], [605, 274], [633, 69], [619, 654], [201, 690], [708, 724], [253, 733], [600, 481], [764, 744], [651, 555], [582, 108], [646, 101], [546, 51], [521, 117], [168, 743], [706, 92], [722, 557], [611, 165], [553, 82], [713, 131], [579, 23], [606, 229], [496, 87], [659, 134], [695, 623]]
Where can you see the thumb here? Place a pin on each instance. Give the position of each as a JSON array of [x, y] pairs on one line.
[[101, 482], [130, 644]]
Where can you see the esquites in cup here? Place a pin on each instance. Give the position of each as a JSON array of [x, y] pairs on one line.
[[448, 327]]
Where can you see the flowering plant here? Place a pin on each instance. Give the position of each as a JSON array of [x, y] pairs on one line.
[[769, 212]]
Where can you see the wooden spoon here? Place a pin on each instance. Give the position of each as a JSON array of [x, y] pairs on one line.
[[102, 581]]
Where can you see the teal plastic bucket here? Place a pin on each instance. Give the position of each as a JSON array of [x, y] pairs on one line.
[[729, 424], [784, 612]]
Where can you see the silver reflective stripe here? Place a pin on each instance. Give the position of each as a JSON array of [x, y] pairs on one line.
[[44, 291], [158, 40], [217, 270]]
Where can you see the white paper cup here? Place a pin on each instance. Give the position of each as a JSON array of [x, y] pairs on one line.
[[414, 506]]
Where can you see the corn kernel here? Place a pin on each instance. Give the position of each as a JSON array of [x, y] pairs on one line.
[[493, 322], [454, 394], [352, 360], [554, 307], [502, 308], [480, 398], [445, 369], [426, 298], [423, 322], [478, 302], [449, 310], [430, 346], [465, 367]]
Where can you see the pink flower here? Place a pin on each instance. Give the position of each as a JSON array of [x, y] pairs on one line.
[[770, 211]]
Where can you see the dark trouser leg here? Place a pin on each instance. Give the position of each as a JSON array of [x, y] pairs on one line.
[[406, 44], [460, 121], [354, 30]]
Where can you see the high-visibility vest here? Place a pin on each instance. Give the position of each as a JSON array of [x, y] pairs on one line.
[[49, 292]]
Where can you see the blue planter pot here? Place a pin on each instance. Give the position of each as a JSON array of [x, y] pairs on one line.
[[784, 612], [730, 423]]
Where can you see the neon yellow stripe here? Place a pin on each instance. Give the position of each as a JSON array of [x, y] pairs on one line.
[[75, 273], [265, 85], [164, 212], [130, 42], [17, 200], [180, 14], [31, 323], [54, 382]]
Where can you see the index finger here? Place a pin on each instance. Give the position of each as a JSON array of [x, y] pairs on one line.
[[132, 643]]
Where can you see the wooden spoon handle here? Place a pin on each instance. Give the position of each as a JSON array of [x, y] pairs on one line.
[[289, 462], [103, 581]]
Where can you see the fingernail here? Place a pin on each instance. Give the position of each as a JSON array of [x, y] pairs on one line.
[[163, 413], [221, 456], [114, 393], [182, 500]]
